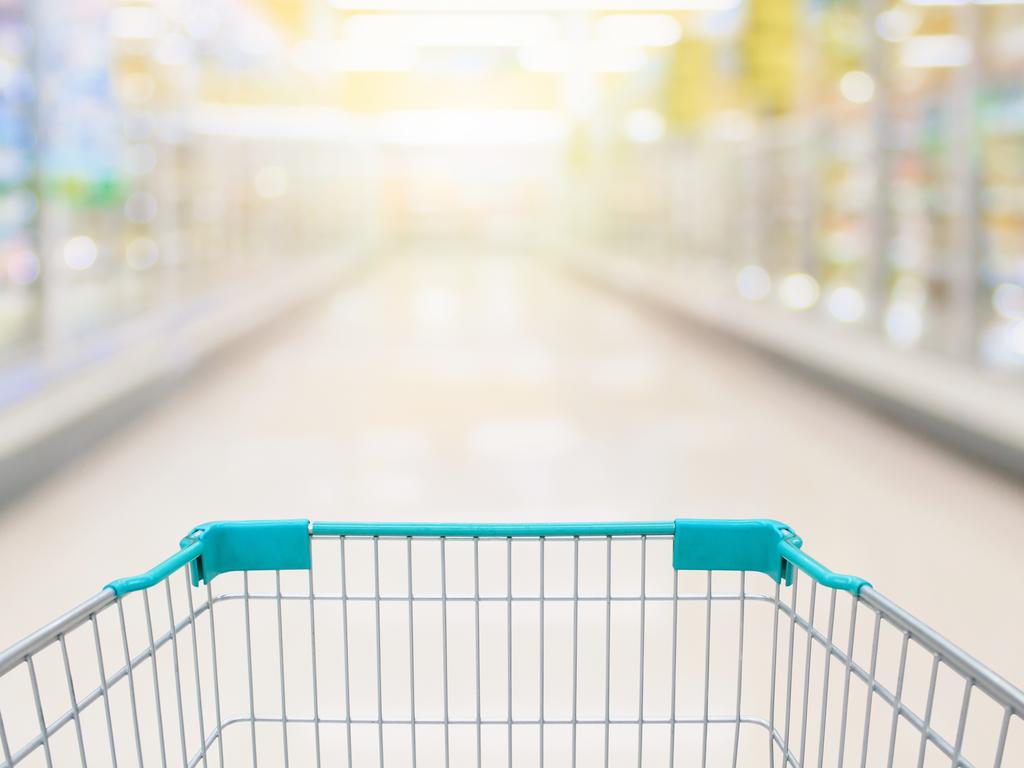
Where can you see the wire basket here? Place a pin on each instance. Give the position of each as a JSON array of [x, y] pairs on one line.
[[687, 643]]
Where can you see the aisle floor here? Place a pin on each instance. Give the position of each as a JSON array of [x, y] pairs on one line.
[[468, 388]]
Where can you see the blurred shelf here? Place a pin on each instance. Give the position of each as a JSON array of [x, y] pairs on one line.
[[978, 412], [46, 396]]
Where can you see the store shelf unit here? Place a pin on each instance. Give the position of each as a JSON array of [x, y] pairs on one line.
[[879, 184]]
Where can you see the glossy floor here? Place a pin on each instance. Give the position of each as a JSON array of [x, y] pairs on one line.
[[498, 388]]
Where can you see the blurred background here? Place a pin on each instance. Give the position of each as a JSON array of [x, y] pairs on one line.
[[516, 259]]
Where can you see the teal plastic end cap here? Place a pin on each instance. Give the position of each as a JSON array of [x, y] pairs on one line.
[[252, 545], [732, 545]]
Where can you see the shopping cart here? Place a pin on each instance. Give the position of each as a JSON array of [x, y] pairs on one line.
[[710, 643]]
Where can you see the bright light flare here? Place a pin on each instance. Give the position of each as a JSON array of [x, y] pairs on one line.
[[799, 291], [654, 30], [936, 52], [599, 58], [429, 30]]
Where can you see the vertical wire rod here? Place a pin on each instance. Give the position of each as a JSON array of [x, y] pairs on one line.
[[707, 679], [870, 696], [312, 649], [575, 640], [444, 652], [829, 648], [1003, 731], [412, 655], [177, 670], [476, 643], [156, 677], [345, 651], [608, 653], [929, 705], [807, 672], [248, 659], [508, 643], [280, 656], [841, 756], [216, 677], [40, 718], [962, 725], [7, 747], [771, 687], [380, 677], [675, 661], [104, 690], [75, 712], [195, 658], [131, 680], [739, 670], [898, 699], [540, 656], [643, 623], [789, 668]]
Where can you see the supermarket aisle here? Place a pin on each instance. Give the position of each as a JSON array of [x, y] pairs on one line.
[[466, 387]]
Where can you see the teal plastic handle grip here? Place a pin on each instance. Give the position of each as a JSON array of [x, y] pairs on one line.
[[158, 573], [765, 546], [494, 530], [789, 548]]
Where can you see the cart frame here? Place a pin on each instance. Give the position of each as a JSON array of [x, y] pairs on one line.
[[750, 548]]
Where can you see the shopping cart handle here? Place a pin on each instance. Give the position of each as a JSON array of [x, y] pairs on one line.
[[233, 545], [764, 546]]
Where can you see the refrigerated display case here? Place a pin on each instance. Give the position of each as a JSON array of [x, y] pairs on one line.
[[20, 267], [925, 143], [843, 158], [1001, 145]]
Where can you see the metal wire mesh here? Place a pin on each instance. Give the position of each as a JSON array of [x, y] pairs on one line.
[[558, 651]]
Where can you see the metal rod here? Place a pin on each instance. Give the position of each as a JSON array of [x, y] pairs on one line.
[[807, 675], [104, 689], [575, 640], [675, 653], [508, 643], [312, 648], [74, 702], [608, 654], [216, 677], [248, 658], [898, 697], [345, 653], [540, 657], [198, 676], [929, 704], [380, 676], [846, 685], [444, 651], [131, 680], [40, 718], [707, 679], [412, 655], [280, 656], [643, 624], [177, 670], [739, 673], [870, 696]]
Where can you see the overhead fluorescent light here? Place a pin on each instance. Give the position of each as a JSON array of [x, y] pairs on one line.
[[532, 6], [935, 52], [597, 58], [451, 31], [321, 57], [136, 22], [963, 2], [448, 127], [639, 29]]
